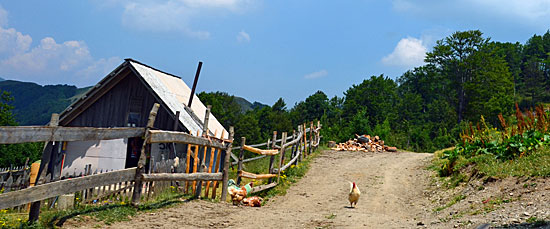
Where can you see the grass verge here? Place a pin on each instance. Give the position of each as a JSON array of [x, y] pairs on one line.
[[535, 164], [101, 214]]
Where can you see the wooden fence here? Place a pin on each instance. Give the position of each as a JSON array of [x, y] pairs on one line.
[[14, 178], [98, 185], [300, 144]]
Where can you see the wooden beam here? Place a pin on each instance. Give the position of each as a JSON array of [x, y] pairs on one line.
[[281, 157], [298, 153], [249, 159], [246, 174], [272, 158], [22, 134], [260, 151], [181, 177], [226, 166], [136, 195], [162, 136], [49, 190], [241, 158], [263, 187]]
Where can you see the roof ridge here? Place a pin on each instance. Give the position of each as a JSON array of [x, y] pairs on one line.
[[156, 69]]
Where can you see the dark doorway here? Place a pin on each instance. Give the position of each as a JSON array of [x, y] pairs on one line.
[[133, 151]]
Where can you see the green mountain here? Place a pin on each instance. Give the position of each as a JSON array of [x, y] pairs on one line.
[[34, 103], [246, 105]]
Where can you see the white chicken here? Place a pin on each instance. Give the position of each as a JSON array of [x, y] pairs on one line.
[[354, 194]]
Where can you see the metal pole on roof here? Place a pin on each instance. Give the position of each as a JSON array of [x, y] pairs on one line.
[[195, 84]]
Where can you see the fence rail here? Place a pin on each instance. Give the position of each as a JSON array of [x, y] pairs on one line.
[[194, 170], [298, 144], [49, 190], [24, 134], [124, 181]]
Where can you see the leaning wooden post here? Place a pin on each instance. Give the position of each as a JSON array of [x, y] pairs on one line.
[[136, 195], [272, 158], [226, 165], [34, 211], [282, 153], [241, 158], [202, 168]]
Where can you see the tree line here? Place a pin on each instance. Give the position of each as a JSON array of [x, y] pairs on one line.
[[465, 76]]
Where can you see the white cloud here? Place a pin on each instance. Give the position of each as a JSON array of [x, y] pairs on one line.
[[315, 75], [409, 52], [243, 36], [525, 12], [175, 15], [13, 42], [50, 62]]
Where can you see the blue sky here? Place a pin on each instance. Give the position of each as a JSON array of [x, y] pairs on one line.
[[259, 50]]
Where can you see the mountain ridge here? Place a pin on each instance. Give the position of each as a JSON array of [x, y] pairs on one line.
[[34, 103]]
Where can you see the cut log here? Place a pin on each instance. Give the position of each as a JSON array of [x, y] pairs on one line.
[[261, 151], [246, 174]]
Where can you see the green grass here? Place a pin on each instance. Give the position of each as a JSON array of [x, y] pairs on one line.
[[455, 200], [535, 164], [106, 214]]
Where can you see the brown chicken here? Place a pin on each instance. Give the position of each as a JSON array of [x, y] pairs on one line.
[[237, 195], [253, 201], [354, 194]]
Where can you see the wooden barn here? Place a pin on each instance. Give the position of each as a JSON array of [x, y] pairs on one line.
[[124, 98]]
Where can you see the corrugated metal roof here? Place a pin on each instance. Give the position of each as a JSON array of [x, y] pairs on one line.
[[175, 93]]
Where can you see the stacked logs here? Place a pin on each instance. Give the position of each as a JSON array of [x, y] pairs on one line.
[[364, 143]]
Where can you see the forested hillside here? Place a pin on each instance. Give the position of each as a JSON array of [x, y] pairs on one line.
[[465, 76], [33, 104]]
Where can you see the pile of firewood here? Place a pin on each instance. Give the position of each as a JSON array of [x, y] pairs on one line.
[[364, 143]]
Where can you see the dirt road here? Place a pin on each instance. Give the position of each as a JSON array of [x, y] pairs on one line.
[[391, 186]]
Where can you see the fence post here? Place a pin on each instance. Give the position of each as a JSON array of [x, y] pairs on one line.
[[34, 211], [281, 156], [310, 137], [296, 149], [292, 152], [319, 133], [299, 145], [305, 139], [203, 153], [226, 165], [272, 158], [241, 158], [136, 195]]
